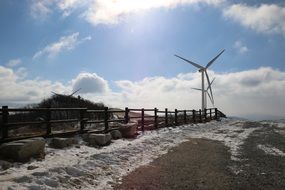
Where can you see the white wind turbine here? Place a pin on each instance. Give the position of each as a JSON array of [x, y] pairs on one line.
[[203, 71], [207, 92]]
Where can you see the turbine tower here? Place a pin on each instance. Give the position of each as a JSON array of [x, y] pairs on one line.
[[207, 92], [203, 71]]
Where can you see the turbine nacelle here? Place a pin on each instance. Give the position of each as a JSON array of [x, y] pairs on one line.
[[201, 70]]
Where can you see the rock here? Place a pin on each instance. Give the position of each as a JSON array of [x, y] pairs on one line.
[[32, 167], [34, 187], [23, 150], [40, 174], [51, 182], [62, 142], [116, 134], [74, 172], [23, 179], [99, 139], [85, 136], [4, 165], [128, 130]]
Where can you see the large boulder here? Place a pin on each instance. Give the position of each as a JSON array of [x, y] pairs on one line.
[[116, 134], [99, 139], [128, 130], [23, 150], [62, 142]]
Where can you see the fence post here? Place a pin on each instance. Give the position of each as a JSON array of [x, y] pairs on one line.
[[210, 114], [185, 119], [200, 115], [82, 120], [175, 117], [106, 118], [142, 119], [216, 113], [48, 132], [155, 118], [166, 117], [126, 115], [194, 116], [205, 114], [5, 114]]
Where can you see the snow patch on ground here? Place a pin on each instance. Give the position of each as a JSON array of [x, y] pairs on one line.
[[271, 150], [281, 125], [232, 134], [87, 167]]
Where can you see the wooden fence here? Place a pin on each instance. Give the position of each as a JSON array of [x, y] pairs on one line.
[[145, 119]]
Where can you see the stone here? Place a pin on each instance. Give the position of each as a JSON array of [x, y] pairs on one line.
[[4, 165], [23, 150], [99, 139], [62, 142], [128, 130], [116, 134], [23, 179], [85, 136], [32, 167]]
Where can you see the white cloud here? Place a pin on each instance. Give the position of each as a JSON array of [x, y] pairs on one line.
[[17, 90], [90, 83], [240, 47], [14, 62], [110, 11], [247, 93], [68, 6], [21, 73], [266, 18], [65, 43], [40, 9]]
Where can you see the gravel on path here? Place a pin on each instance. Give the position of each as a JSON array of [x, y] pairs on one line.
[[195, 164]]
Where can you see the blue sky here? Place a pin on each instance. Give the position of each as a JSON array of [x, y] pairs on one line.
[[104, 47]]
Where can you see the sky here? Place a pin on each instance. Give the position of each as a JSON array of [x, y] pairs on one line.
[[121, 53]]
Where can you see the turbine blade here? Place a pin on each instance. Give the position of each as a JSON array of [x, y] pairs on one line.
[[214, 59], [211, 98], [55, 93], [192, 63], [197, 89], [75, 92], [209, 84]]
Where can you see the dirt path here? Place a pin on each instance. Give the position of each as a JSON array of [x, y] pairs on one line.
[[206, 164], [197, 164], [262, 169]]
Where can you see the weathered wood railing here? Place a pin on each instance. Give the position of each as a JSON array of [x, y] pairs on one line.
[[146, 118]]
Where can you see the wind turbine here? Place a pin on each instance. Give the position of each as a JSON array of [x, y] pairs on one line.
[[67, 95], [203, 71], [207, 91]]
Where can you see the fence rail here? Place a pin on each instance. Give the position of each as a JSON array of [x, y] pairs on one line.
[[154, 119]]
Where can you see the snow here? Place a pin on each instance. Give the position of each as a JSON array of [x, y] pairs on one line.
[[84, 167], [271, 150]]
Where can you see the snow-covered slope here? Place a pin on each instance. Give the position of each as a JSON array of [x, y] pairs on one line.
[[83, 167]]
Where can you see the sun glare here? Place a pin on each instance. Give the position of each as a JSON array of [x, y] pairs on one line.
[[111, 11]]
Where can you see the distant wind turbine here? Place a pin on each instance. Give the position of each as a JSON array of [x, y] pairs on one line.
[[203, 71], [67, 95], [207, 91]]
